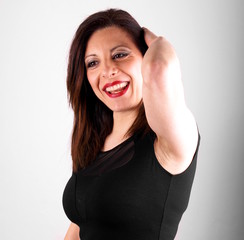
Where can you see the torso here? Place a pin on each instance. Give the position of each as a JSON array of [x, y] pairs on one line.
[[132, 197]]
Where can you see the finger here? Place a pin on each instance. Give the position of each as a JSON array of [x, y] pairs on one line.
[[149, 36]]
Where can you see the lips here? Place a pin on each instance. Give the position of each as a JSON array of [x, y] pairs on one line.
[[116, 88]]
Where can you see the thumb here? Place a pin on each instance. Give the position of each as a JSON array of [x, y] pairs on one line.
[[149, 36]]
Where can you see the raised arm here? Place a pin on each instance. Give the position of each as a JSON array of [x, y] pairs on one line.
[[165, 106]]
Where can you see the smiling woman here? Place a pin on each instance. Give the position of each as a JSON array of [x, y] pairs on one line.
[[135, 142]]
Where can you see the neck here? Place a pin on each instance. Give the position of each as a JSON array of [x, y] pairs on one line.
[[123, 121], [121, 125]]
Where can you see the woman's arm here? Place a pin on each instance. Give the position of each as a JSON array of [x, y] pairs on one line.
[[73, 232], [165, 106]]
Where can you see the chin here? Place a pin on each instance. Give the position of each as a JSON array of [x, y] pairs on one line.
[[123, 108]]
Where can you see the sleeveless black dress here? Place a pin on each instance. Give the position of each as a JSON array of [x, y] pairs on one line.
[[125, 194]]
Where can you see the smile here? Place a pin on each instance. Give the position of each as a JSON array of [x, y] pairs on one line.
[[116, 89]]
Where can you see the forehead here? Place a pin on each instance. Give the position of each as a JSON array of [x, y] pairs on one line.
[[109, 36]]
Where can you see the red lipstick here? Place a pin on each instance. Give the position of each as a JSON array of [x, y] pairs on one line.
[[116, 88]]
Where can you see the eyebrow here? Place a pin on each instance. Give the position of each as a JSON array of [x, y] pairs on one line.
[[118, 46], [90, 55], [111, 50]]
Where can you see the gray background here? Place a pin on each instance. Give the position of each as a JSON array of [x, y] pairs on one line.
[[36, 122]]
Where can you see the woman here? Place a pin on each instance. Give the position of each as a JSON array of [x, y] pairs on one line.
[[134, 143]]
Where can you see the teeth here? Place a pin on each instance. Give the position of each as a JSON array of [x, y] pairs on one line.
[[117, 87]]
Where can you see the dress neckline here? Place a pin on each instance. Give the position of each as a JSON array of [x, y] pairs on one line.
[[117, 146]]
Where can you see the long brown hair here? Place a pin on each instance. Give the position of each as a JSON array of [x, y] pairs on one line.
[[93, 120]]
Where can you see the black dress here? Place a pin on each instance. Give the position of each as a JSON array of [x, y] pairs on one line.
[[125, 194]]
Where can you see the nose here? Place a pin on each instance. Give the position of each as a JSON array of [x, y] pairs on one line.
[[109, 70]]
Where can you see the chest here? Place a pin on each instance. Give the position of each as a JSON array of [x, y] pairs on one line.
[[132, 196]]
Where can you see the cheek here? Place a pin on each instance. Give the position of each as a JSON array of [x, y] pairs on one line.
[[137, 73], [93, 80]]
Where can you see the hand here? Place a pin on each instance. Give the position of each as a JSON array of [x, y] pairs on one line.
[[149, 36], [159, 59]]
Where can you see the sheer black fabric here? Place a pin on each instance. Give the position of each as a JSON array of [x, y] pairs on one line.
[[112, 159]]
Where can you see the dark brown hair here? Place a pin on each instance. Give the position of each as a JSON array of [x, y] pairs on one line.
[[93, 120]]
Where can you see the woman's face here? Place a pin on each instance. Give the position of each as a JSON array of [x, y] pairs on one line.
[[113, 65]]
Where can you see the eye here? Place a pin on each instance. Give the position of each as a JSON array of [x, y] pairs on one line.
[[92, 64], [120, 55]]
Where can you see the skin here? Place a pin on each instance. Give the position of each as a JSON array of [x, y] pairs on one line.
[[155, 78], [111, 55], [173, 122], [73, 232]]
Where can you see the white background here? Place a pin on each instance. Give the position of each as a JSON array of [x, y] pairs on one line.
[[36, 121]]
